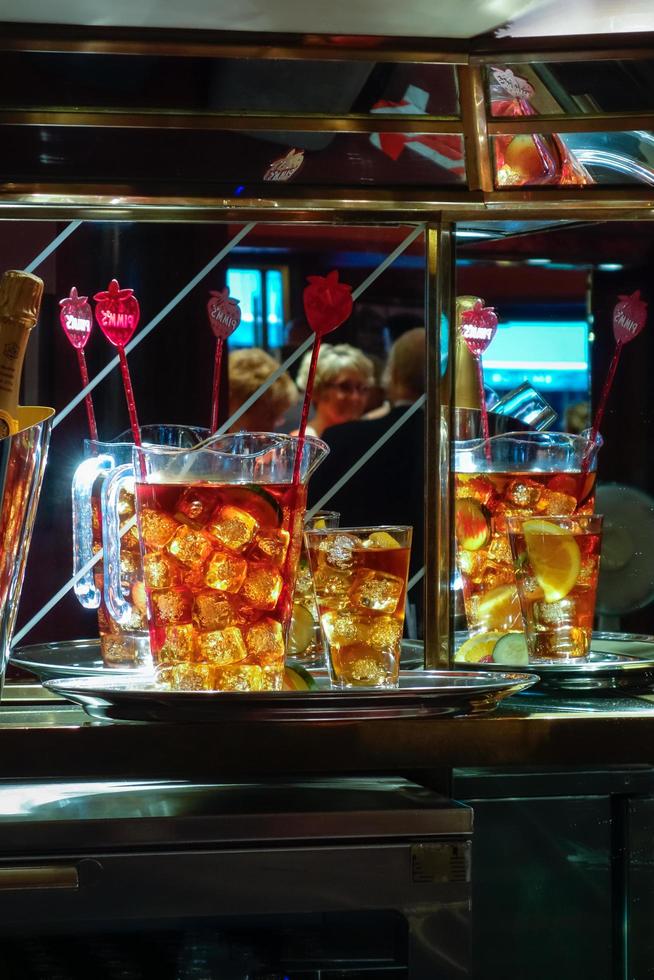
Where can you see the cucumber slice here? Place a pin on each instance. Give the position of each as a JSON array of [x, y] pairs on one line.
[[296, 678], [511, 650], [301, 632]]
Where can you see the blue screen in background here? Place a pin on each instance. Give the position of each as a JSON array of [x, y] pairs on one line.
[[550, 355]]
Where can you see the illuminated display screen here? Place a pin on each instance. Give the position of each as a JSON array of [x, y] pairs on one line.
[[550, 355]]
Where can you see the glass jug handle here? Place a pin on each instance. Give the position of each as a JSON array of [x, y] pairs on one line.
[[121, 479], [85, 476]]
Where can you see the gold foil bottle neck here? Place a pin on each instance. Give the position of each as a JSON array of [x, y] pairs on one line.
[[20, 296], [466, 378]]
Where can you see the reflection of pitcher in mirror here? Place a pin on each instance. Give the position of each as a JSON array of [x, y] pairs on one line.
[[124, 640]]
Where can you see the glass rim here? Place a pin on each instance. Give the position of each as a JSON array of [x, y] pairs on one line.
[[519, 519], [276, 441], [363, 529]]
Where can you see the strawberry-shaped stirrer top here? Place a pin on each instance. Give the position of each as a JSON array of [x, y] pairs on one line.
[[327, 304], [77, 321], [478, 327], [629, 317], [224, 317], [117, 313]]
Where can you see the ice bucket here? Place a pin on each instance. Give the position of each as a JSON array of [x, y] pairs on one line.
[[22, 464]]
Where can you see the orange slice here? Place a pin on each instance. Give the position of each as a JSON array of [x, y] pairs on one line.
[[499, 608], [477, 649], [554, 556]]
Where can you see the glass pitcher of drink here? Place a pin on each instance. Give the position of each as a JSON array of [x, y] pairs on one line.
[[124, 639], [220, 530], [514, 474]]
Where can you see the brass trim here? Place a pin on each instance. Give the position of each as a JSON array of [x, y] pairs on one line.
[[478, 163], [561, 48], [606, 122], [42, 878], [439, 261], [161, 119], [192, 43], [59, 202]]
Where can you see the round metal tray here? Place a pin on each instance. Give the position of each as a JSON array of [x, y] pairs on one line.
[[81, 658], [617, 662], [420, 693]]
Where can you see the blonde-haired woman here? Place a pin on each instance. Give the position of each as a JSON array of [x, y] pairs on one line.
[[343, 378], [247, 370]]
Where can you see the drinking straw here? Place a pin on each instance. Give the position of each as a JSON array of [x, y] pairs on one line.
[[224, 317], [629, 318], [117, 313], [77, 321], [478, 327]]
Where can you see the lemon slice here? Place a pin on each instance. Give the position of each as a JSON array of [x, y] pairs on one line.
[[554, 556], [296, 678], [301, 632], [381, 539], [477, 649], [499, 609]]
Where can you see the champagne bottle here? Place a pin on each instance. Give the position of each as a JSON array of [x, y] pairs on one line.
[[466, 380], [20, 302]]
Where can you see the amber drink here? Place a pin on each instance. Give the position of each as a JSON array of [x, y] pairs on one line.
[[360, 577], [219, 564], [556, 569]]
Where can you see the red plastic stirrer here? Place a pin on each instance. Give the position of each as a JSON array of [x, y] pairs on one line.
[[224, 317], [117, 313], [77, 320], [327, 304], [478, 327], [629, 317]]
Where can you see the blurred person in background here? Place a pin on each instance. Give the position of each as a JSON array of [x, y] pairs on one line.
[[247, 370], [390, 487], [344, 376]]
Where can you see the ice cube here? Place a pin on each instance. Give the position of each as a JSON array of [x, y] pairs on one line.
[[271, 544], [125, 506], [119, 649], [588, 572], [385, 633], [135, 619], [500, 550], [190, 546], [523, 493], [187, 677], [157, 528], [560, 644], [555, 614], [214, 611], [344, 628], [160, 570], [221, 647], [338, 550], [471, 563], [262, 586], [265, 642], [130, 566], [129, 541], [171, 607], [331, 583], [478, 488], [240, 677], [173, 644], [366, 671], [225, 572], [273, 677], [376, 591], [195, 505], [552, 502], [232, 527]]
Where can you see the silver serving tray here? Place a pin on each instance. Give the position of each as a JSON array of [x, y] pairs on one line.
[[81, 658], [420, 693], [617, 662]]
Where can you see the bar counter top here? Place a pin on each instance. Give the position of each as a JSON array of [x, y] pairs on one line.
[[42, 737]]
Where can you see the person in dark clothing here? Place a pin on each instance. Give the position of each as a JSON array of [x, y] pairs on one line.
[[389, 487]]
